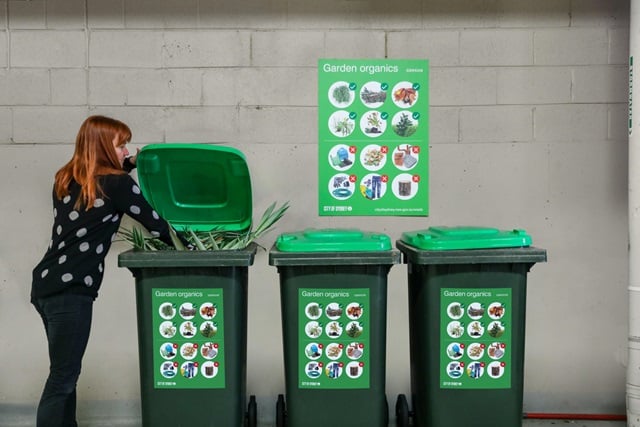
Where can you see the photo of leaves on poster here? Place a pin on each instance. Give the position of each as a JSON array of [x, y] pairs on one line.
[[373, 137]]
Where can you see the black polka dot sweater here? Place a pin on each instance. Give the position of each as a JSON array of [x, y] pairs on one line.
[[81, 238]]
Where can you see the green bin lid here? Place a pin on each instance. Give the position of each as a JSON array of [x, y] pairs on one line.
[[197, 186], [457, 238], [332, 240]]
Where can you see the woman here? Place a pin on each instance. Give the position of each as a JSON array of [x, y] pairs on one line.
[[91, 193]]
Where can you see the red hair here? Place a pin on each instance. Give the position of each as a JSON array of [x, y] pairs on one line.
[[94, 155]]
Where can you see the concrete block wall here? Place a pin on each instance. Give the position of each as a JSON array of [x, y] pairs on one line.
[[528, 130]]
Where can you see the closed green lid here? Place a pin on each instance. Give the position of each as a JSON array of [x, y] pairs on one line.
[[456, 238], [332, 240], [197, 186]]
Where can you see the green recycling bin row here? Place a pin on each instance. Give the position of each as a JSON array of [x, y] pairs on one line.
[[467, 293]]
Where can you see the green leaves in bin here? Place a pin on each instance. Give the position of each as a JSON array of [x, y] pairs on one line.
[[213, 240]]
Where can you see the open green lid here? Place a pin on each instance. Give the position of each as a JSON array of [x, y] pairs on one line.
[[332, 240], [456, 238], [197, 186]]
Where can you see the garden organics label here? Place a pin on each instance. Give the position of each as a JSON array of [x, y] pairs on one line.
[[188, 338], [475, 338], [373, 137], [333, 338]]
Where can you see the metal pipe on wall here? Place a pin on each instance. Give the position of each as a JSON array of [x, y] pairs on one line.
[[633, 367]]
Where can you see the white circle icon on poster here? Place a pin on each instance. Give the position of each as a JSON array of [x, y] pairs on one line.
[[495, 369], [475, 310], [405, 94], [475, 351], [496, 350], [341, 124], [313, 369], [455, 329], [189, 370], [333, 329], [475, 370], [404, 186], [167, 310], [189, 351], [313, 350], [496, 310], [475, 329], [341, 157], [188, 329], [333, 370], [167, 329], [341, 94], [168, 369], [373, 186], [405, 156], [334, 351], [373, 157], [187, 311], [209, 369], [454, 369], [168, 350], [208, 310], [354, 310], [455, 350], [355, 350], [209, 350], [208, 329], [340, 186], [354, 329], [333, 311], [354, 369], [373, 123], [373, 95], [313, 329], [405, 123], [313, 310], [455, 310], [495, 329]]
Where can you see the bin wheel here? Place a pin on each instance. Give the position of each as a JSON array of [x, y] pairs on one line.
[[402, 411], [280, 411], [252, 412]]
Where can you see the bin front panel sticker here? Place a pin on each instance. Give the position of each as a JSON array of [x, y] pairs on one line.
[[475, 338], [188, 338], [334, 338]]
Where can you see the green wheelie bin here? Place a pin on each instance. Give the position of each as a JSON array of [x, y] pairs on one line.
[[333, 288], [467, 303], [192, 305]]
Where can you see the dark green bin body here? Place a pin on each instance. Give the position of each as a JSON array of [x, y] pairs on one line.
[[429, 272], [226, 270], [335, 270]]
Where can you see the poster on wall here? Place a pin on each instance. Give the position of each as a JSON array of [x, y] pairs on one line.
[[373, 137]]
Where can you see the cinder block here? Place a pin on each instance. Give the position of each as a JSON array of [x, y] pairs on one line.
[[290, 86], [66, 14], [210, 124], [24, 87], [27, 14], [355, 44], [619, 46], [600, 84], [534, 14], [534, 85], [6, 121], [144, 87], [287, 48], [571, 122], [143, 48], [48, 49], [459, 14], [618, 122], [102, 14], [161, 14], [441, 48], [462, 86], [600, 13], [146, 123], [273, 125], [270, 14], [69, 86], [496, 124], [576, 46], [206, 49], [55, 125], [444, 125], [496, 47], [4, 52]]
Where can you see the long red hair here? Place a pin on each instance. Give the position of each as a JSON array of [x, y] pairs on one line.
[[94, 155]]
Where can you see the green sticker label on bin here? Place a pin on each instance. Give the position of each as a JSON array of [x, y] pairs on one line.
[[188, 338], [334, 338], [475, 338]]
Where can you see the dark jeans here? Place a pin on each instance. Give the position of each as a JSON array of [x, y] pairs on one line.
[[67, 322]]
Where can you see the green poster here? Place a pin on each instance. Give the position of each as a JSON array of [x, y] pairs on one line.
[[373, 137], [188, 338], [475, 338], [334, 338]]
